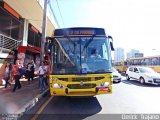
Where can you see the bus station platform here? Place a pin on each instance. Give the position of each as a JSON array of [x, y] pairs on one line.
[[20, 101]]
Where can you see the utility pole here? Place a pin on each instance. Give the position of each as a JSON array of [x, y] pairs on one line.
[[43, 38]]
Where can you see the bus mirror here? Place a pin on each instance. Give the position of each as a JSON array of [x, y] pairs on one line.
[[111, 42]]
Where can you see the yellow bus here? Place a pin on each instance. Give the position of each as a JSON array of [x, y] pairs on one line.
[[150, 61], [120, 66], [74, 69]]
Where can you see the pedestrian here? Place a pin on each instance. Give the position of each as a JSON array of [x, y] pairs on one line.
[[30, 70], [16, 74], [41, 73], [46, 75], [7, 74]]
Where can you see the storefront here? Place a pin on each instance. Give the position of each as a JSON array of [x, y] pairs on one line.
[[19, 26], [27, 53]]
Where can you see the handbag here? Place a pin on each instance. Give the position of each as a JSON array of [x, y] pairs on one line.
[[21, 71]]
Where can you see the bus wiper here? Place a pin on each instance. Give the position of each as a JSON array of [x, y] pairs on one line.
[[70, 40], [64, 51], [89, 41]]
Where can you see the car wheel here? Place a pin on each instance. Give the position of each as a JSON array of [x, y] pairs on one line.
[[119, 81], [142, 81], [127, 77]]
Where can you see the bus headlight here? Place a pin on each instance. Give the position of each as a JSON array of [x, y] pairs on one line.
[[104, 84], [55, 85]]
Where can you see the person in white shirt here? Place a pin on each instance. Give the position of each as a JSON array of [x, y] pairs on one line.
[[94, 54], [46, 73], [41, 72]]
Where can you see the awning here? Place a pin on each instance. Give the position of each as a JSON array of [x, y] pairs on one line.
[[24, 49]]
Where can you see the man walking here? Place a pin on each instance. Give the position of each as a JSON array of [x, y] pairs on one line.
[[30, 70]]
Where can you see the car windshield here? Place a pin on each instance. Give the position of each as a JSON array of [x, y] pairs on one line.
[[146, 70], [76, 55]]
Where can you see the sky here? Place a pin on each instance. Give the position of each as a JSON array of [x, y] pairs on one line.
[[133, 24]]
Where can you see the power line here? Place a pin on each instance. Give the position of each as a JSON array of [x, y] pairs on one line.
[[60, 13], [53, 17], [53, 14]]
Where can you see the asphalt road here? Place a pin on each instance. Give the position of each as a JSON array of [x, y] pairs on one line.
[[129, 97]]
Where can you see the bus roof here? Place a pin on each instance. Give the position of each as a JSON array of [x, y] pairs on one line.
[[79, 31]]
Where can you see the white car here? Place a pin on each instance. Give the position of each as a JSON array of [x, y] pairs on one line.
[[116, 75], [143, 75]]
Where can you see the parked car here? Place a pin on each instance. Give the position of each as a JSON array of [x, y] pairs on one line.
[[143, 75], [116, 75]]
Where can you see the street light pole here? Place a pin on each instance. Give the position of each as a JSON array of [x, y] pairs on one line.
[[43, 38]]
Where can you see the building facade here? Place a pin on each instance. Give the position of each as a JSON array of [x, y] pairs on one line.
[[21, 31], [134, 53], [119, 55]]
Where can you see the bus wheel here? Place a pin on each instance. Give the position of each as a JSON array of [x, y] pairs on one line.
[[141, 80], [127, 77]]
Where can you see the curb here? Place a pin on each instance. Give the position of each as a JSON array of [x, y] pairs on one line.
[[26, 108]]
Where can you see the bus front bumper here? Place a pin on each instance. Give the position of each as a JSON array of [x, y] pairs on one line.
[[80, 92]]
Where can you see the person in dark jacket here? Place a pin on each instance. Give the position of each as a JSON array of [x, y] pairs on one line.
[[30, 70]]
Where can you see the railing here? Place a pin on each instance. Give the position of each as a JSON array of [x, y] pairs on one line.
[[7, 43]]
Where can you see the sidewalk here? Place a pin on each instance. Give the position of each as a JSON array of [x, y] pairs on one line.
[[21, 100]]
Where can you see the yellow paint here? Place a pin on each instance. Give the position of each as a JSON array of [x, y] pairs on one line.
[[79, 92], [41, 109]]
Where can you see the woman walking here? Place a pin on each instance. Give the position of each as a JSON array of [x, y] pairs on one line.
[[17, 76], [7, 74]]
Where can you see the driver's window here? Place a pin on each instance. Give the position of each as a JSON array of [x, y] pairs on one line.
[[135, 70]]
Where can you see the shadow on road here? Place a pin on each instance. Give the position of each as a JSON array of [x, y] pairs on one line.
[[68, 108], [137, 83], [116, 82]]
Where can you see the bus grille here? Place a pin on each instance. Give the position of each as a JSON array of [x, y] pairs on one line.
[[99, 78], [78, 86], [84, 79], [63, 79]]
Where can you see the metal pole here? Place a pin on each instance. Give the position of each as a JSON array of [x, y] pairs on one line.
[[43, 38]]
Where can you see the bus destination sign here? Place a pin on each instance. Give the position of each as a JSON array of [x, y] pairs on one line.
[[80, 32]]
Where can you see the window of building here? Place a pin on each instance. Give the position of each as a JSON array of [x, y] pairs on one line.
[[34, 36], [10, 25]]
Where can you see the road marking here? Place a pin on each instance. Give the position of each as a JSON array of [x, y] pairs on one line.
[[41, 109]]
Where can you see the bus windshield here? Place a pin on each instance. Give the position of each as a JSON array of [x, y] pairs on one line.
[[81, 55]]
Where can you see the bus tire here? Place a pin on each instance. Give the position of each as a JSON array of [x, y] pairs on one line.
[[127, 77]]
